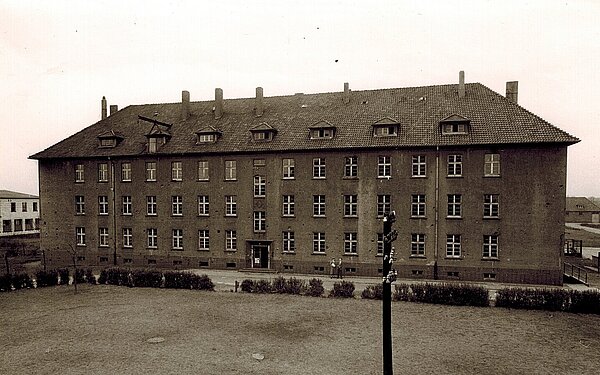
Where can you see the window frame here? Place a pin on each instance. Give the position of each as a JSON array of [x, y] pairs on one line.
[[319, 206], [288, 166], [260, 186], [203, 170], [319, 169], [453, 246], [203, 239], [151, 171], [176, 205], [419, 166], [103, 237], [203, 205], [319, 243], [80, 236], [384, 204], [152, 238], [351, 166], [79, 205], [454, 206], [177, 239], [128, 237], [126, 172], [490, 246], [103, 205], [351, 205], [492, 165], [491, 206], [455, 165], [288, 241], [230, 170], [417, 245], [288, 206], [260, 221], [350, 243], [231, 205], [230, 240], [384, 166], [176, 171], [151, 201], [418, 203], [126, 205], [79, 173], [102, 172]]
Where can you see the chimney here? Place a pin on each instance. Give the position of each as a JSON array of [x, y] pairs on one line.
[[218, 103], [114, 109], [461, 84], [512, 91], [346, 93], [103, 113], [259, 106], [185, 105]]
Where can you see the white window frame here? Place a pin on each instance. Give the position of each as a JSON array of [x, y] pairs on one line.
[[260, 221], [127, 205], [384, 166], [350, 243], [102, 237], [351, 205], [79, 205], [151, 167], [319, 206], [127, 237], [203, 205], [126, 172], [288, 169], [418, 205], [152, 237], [288, 241], [230, 240], [203, 239], [176, 205], [380, 243], [231, 205], [492, 165], [102, 205], [203, 171], [176, 171], [319, 168], [102, 172], [260, 186], [177, 243], [454, 205], [490, 246], [80, 236], [453, 246], [351, 166], [230, 170], [151, 205], [417, 244], [384, 204], [288, 205], [319, 244], [491, 206], [455, 165], [79, 173], [419, 166]]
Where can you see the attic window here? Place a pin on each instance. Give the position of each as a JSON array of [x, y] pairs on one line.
[[579, 206], [108, 142], [322, 130], [455, 124], [263, 132], [109, 139], [262, 136], [159, 133], [386, 127], [207, 135]]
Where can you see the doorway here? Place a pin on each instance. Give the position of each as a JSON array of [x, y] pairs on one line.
[[260, 256]]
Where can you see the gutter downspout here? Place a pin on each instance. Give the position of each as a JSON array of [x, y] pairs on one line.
[[114, 209], [437, 212]]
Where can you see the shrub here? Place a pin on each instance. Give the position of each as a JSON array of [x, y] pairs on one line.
[[176, 280], [373, 292], [344, 289], [63, 274], [80, 276], [146, 278], [21, 281], [46, 278], [586, 302], [115, 276], [402, 292], [247, 286], [263, 286], [90, 277], [294, 286], [201, 282], [103, 279], [445, 294], [549, 299], [279, 285], [5, 283], [315, 288]]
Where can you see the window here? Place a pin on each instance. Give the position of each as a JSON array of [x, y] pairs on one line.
[[490, 246], [207, 138], [203, 171], [386, 131], [127, 237], [80, 236], [37, 223], [18, 225], [79, 173], [6, 226], [176, 171], [260, 186], [103, 237], [127, 210], [203, 205], [351, 205], [417, 206], [492, 165], [453, 246], [454, 128], [288, 168], [103, 205], [230, 240], [383, 204], [177, 239], [203, 239], [23, 206], [151, 171], [350, 166], [259, 221], [379, 243], [350, 243], [289, 243], [259, 162], [13, 206], [417, 244], [177, 205], [151, 205], [79, 205], [320, 133], [262, 136], [230, 170], [454, 205], [384, 167], [318, 242], [102, 172], [152, 238], [454, 165], [489, 276], [319, 168], [108, 142], [230, 205], [288, 205], [490, 206], [29, 224], [125, 172], [35, 206], [319, 205], [419, 166]]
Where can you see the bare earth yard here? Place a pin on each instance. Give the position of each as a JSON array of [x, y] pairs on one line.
[[104, 330]]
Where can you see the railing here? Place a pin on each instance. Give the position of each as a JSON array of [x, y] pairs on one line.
[[575, 272]]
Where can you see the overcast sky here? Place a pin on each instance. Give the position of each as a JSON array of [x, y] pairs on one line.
[[58, 58]]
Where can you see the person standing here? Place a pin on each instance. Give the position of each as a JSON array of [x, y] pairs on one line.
[[339, 269], [333, 268]]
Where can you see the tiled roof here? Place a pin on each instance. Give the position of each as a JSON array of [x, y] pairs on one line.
[[418, 110], [581, 204], [7, 194]]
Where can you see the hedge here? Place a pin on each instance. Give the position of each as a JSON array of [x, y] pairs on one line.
[[373, 292], [46, 278], [587, 302], [283, 286], [444, 293], [344, 289]]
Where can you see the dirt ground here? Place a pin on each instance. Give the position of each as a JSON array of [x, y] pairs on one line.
[[105, 330]]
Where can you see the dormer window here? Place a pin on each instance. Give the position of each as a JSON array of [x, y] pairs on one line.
[[322, 130], [158, 135], [207, 135], [263, 132], [455, 124], [386, 127], [109, 139]]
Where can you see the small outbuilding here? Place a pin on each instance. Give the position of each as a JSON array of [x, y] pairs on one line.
[[581, 210]]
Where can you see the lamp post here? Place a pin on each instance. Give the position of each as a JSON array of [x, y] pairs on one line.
[[389, 276]]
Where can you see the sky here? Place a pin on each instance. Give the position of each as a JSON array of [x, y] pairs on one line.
[[58, 58]]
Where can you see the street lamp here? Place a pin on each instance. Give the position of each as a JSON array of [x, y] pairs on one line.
[[389, 276]]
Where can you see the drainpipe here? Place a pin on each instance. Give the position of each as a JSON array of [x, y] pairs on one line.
[[114, 209], [437, 212]]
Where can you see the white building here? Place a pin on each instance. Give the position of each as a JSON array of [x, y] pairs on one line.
[[19, 213]]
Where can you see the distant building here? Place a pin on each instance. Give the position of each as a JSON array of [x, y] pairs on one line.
[[19, 213], [581, 210], [286, 183]]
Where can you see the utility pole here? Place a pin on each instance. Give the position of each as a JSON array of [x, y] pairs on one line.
[[389, 276]]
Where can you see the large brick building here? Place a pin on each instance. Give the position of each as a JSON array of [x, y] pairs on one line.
[[287, 183]]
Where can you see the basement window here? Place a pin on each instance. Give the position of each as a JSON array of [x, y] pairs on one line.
[[489, 276], [203, 263], [417, 272], [288, 267], [230, 265]]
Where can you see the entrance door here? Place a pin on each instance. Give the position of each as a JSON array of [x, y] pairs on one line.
[[260, 256]]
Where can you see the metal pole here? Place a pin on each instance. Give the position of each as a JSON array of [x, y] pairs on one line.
[[387, 299]]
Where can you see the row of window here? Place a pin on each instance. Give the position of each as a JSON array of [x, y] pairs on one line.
[[13, 206], [319, 245], [30, 224], [418, 208], [384, 168]]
